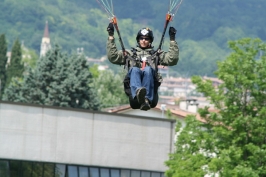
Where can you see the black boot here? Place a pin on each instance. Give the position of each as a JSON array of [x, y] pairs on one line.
[[146, 105], [141, 93]]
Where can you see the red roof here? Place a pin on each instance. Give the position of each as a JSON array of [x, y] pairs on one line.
[[173, 108]]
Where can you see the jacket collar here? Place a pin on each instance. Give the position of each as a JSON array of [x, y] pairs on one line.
[[141, 49]]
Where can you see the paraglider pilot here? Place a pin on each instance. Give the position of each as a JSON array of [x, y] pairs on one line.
[[143, 60]]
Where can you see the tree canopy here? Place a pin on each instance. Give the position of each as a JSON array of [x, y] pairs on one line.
[[3, 61], [231, 140], [110, 88], [57, 80], [15, 68]]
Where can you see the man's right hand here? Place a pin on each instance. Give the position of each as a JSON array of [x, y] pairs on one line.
[[110, 29]]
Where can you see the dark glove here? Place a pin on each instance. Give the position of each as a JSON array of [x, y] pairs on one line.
[[172, 32], [110, 29]]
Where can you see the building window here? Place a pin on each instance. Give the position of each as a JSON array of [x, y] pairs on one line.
[[145, 174], [16, 168], [125, 173], [60, 170], [72, 171], [83, 172], [135, 173], [26, 168], [154, 174], [104, 172], [94, 172], [4, 168], [49, 169], [115, 173]]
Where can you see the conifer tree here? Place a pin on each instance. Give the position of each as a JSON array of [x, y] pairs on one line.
[[57, 80], [15, 67], [3, 61]]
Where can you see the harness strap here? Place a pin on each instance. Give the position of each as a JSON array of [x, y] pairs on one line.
[[147, 61], [143, 65]]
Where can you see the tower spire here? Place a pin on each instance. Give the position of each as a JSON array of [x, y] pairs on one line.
[[46, 30], [45, 45]]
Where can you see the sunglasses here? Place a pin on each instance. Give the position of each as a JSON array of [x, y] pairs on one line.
[[144, 38]]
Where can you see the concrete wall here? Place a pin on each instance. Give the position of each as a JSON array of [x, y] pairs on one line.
[[52, 134]]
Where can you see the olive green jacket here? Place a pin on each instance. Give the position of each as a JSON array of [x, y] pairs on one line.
[[169, 58]]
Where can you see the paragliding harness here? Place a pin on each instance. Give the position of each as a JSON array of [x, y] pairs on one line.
[[173, 7], [153, 61]]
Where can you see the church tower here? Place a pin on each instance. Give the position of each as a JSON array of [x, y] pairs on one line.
[[45, 45]]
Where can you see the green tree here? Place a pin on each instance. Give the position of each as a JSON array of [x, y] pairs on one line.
[[57, 80], [231, 141], [94, 71], [3, 61], [29, 57], [110, 89], [15, 67]]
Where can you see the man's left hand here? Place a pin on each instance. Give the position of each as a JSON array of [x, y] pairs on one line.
[[172, 32]]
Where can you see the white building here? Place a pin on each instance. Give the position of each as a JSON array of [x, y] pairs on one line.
[[46, 141]]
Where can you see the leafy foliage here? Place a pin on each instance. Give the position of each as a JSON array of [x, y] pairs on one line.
[[29, 57], [231, 140], [58, 80], [3, 61], [110, 88]]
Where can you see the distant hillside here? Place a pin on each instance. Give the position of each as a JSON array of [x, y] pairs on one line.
[[204, 27]]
